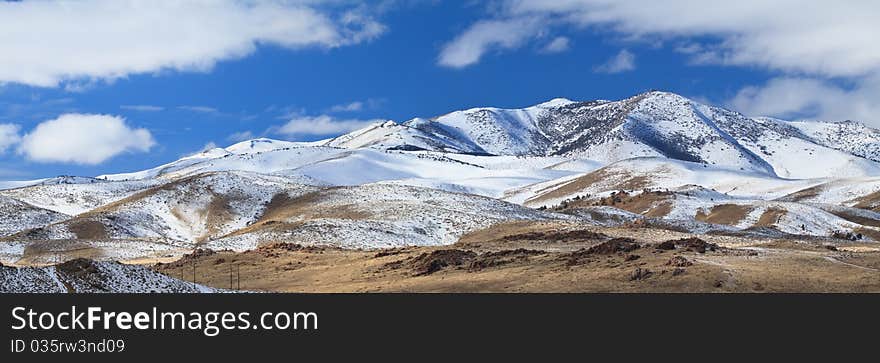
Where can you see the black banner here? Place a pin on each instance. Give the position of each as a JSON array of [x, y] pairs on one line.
[[423, 325]]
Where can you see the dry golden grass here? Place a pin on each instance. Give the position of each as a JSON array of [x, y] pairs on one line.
[[624, 182], [869, 202], [729, 214], [770, 217], [542, 259]]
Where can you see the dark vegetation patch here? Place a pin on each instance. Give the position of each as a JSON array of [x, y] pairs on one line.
[[389, 252], [79, 268], [650, 202], [556, 236], [494, 259], [679, 261], [631, 258], [275, 250], [430, 262], [609, 247], [640, 274], [690, 244], [190, 258], [849, 236], [83, 270], [614, 245], [678, 271]]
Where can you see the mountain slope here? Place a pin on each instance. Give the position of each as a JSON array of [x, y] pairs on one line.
[[658, 173], [188, 210], [76, 198], [84, 276], [656, 124], [16, 216], [653, 124], [428, 181], [376, 216]]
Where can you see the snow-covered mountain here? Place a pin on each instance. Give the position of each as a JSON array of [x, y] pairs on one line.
[[656, 124], [429, 181], [653, 124]]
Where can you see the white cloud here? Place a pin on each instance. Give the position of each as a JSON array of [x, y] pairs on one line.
[[557, 45], [487, 35], [829, 38], [83, 139], [322, 125], [622, 62], [209, 146], [809, 44], [240, 136], [8, 136], [47, 43], [798, 97], [199, 109], [348, 107], [142, 108]]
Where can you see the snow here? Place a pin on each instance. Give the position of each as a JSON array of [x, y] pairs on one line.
[[260, 145], [74, 199], [106, 277], [847, 136], [662, 173], [845, 191], [556, 102], [16, 216], [428, 181], [382, 216]]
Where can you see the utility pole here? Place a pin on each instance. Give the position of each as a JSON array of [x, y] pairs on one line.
[[194, 273]]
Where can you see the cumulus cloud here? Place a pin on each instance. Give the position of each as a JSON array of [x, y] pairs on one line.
[[485, 36], [812, 46], [83, 139], [557, 45], [8, 136], [799, 97], [833, 39], [322, 125], [47, 43], [622, 62]]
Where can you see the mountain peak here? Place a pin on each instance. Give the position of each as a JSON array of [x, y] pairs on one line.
[[556, 102], [257, 145]]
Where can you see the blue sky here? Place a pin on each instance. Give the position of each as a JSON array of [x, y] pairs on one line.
[[357, 62]]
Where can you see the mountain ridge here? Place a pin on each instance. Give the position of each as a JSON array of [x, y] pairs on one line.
[[653, 124], [675, 162]]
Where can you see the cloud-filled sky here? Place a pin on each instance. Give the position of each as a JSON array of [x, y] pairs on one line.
[[100, 86]]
